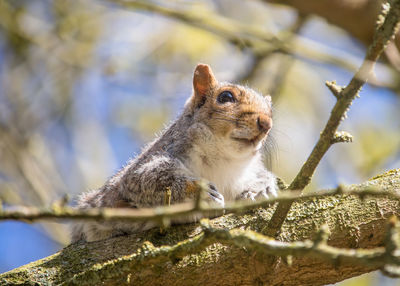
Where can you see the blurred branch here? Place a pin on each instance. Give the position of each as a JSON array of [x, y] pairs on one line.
[[259, 41], [42, 59], [12, 29], [357, 19], [287, 62], [345, 97], [284, 66]]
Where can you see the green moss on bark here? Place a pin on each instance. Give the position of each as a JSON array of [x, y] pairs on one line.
[[353, 222]]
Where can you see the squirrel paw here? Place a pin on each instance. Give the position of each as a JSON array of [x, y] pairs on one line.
[[257, 195], [248, 195], [214, 196]]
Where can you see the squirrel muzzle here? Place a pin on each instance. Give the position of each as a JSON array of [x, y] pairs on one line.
[[264, 123]]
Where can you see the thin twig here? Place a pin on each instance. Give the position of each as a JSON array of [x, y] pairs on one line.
[[175, 211]]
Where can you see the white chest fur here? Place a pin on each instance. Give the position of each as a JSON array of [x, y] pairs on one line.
[[214, 163]]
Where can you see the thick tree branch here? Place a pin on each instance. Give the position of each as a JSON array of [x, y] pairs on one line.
[[186, 255]]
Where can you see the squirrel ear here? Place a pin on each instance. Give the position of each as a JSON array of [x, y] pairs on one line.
[[203, 81]]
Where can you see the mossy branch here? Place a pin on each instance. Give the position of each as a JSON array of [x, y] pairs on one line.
[[160, 214], [222, 252]]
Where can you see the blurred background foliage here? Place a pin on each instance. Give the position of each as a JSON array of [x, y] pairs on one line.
[[85, 84]]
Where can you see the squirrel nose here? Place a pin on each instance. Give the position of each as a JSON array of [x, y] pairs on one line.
[[264, 123]]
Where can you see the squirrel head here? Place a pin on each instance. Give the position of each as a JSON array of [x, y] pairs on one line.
[[236, 113]]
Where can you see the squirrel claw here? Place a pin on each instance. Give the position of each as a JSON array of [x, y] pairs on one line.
[[215, 196], [247, 195], [263, 194]]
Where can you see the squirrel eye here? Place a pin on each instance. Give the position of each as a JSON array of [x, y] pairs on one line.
[[225, 96]]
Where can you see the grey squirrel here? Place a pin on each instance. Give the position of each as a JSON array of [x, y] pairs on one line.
[[217, 138]]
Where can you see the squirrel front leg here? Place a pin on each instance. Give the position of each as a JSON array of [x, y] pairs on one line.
[[144, 186], [149, 183]]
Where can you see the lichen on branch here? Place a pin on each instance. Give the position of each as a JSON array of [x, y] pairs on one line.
[[227, 247]]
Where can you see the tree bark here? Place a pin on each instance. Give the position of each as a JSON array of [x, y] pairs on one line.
[[353, 222]]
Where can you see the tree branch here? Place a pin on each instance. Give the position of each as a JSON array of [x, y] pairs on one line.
[[222, 252], [186, 254], [259, 41], [182, 210], [382, 36]]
